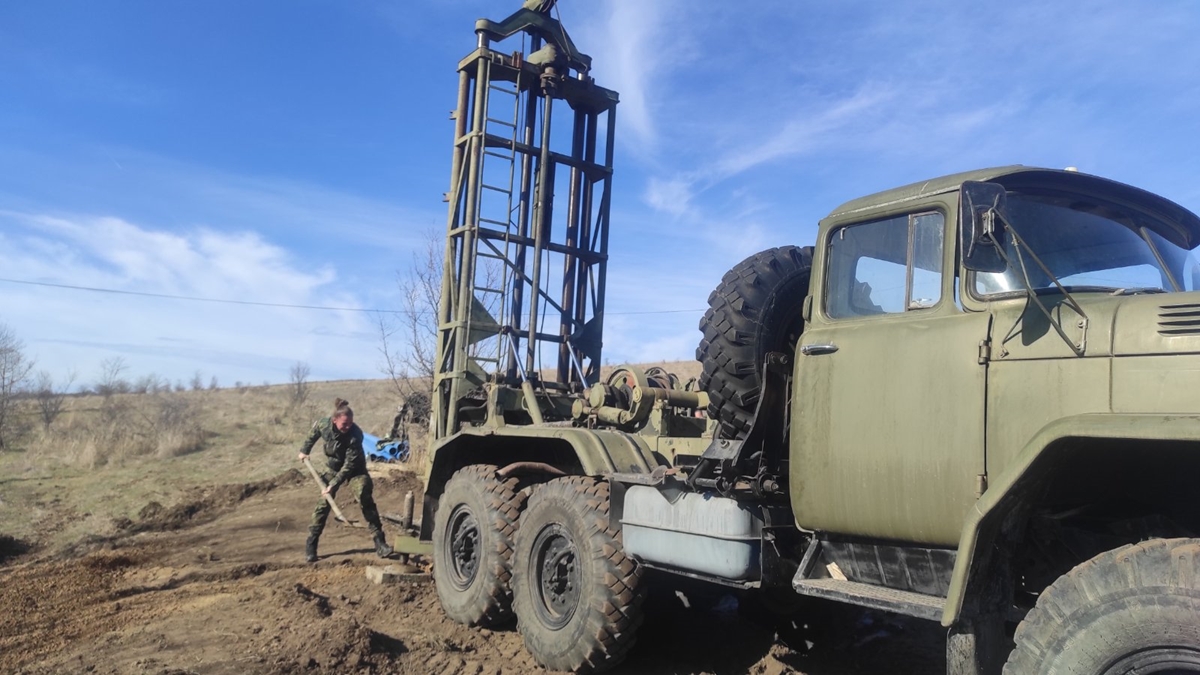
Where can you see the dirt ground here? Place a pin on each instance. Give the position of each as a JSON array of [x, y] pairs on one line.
[[215, 583]]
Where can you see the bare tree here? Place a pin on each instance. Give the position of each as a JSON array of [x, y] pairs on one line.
[[420, 291], [298, 379], [392, 365], [212, 384], [50, 398], [146, 384], [14, 374], [111, 380], [197, 382], [408, 342]]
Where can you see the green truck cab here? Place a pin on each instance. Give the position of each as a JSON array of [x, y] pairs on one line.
[[972, 401], [956, 375], [1019, 394]]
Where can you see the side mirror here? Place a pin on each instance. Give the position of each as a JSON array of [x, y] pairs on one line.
[[981, 223]]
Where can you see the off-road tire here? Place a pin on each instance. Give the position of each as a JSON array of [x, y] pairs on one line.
[[476, 593], [595, 629], [1135, 609], [755, 310]]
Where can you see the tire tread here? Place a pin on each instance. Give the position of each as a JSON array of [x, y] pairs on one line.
[[731, 349], [615, 610], [504, 503], [1149, 565]]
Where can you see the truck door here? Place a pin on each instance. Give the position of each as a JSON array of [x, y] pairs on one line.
[[888, 406]]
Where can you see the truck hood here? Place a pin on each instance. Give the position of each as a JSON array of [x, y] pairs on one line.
[[1165, 323]]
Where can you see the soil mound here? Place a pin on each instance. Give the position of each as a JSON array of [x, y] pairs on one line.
[[11, 547], [399, 482], [201, 505], [339, 645], [324, 639]]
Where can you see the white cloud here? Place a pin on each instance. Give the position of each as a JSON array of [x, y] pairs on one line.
[[636, 47], [808, 129], [631, 57], [76, 329], [671, 195], [197, 262]]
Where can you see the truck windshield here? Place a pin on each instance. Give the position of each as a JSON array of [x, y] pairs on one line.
[[1090, 246]]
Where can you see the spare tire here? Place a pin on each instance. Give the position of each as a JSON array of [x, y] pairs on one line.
[[755, 310]]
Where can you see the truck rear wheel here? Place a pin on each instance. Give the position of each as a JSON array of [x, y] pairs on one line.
[[1131, 611], [473, 533], [577, 596], [755, 310]]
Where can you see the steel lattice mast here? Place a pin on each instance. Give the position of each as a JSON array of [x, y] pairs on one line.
[[523, 283]]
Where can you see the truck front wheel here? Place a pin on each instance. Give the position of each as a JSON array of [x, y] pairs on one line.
[[576, 595], [1131, 611], [473, 532]]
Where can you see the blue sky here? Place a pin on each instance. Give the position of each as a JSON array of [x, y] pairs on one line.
[[296, 152]]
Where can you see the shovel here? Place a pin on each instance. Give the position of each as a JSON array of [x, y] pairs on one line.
[[337, 513]]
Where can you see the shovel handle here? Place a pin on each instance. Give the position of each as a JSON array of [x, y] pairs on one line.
[[337, 513]]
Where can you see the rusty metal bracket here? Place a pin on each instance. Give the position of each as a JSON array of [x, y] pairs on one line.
[[720, 464]]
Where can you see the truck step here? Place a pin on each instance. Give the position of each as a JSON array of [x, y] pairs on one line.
[[876, 597]]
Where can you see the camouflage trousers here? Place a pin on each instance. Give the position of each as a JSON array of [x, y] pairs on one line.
[[362, 489]]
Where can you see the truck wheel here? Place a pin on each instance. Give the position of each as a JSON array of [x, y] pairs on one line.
[[577, 596], [755, 310], [1131, 611], [472, 545]]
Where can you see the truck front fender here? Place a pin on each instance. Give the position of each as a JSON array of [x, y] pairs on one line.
[[1007, 492]]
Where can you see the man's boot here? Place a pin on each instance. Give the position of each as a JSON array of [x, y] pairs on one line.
[[310, 546], [381, 546]]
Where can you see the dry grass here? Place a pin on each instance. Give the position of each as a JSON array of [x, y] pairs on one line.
[[104, 459]]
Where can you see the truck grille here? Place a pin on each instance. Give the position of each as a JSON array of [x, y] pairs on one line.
[[1181, 319]]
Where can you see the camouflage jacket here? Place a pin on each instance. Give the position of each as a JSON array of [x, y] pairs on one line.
[[343, 451]]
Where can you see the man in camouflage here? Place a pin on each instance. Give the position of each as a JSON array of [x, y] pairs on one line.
[[347, 464]]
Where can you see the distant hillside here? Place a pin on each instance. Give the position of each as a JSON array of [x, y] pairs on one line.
[[106, 458]]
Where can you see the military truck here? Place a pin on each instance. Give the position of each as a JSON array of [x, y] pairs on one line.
[[972, 400]]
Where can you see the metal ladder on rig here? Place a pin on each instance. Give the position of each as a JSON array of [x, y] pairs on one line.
[[496, 210]]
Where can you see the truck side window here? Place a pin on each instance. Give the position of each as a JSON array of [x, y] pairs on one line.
[[925, 263], [885, 266]]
